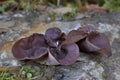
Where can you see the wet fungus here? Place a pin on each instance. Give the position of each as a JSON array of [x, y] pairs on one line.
[[59, 48], [31, 47], [52, 36], [94, 42]]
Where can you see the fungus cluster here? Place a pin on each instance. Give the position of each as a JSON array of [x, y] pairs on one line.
[[55, 47]]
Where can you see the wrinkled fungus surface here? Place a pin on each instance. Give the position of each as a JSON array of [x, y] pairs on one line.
[[31, 47], [59, 48]]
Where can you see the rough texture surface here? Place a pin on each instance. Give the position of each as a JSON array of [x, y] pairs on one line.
[[88, 66]]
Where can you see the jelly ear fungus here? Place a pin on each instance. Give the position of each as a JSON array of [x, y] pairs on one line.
[[59, 48]]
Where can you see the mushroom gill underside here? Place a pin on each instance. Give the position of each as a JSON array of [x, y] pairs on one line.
[[57, 48]]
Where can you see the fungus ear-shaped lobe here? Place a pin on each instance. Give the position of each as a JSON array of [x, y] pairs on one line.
[[96, 42], [19, 49], [72, 53], [62, 39], [51, 59], [30, 47], [75, 36], [52, 35], [37, 40], [67, 54]]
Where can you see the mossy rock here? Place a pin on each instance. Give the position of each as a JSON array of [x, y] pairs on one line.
[[28, 71]]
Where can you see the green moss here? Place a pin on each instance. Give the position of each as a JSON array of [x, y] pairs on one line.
[[52, 15], [104, 75], [27, 71], [4, 75], [7, 3], [21, 4], [112, 5], [69, 15], [29, 75]]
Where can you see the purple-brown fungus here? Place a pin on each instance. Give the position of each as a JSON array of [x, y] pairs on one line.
[[67, 54], [31, 47], [59, 48], [52, 36], [37, 46], [94, 41]]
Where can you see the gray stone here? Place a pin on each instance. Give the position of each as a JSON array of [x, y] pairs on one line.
[[43, 17], [62, 10], [4, 24], [18, 15], [88, 66]]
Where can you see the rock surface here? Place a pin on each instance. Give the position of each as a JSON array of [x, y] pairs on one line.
[[88, 66]]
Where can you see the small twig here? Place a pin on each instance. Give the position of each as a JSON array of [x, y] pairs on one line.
[[58, 2], [79, 4]]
